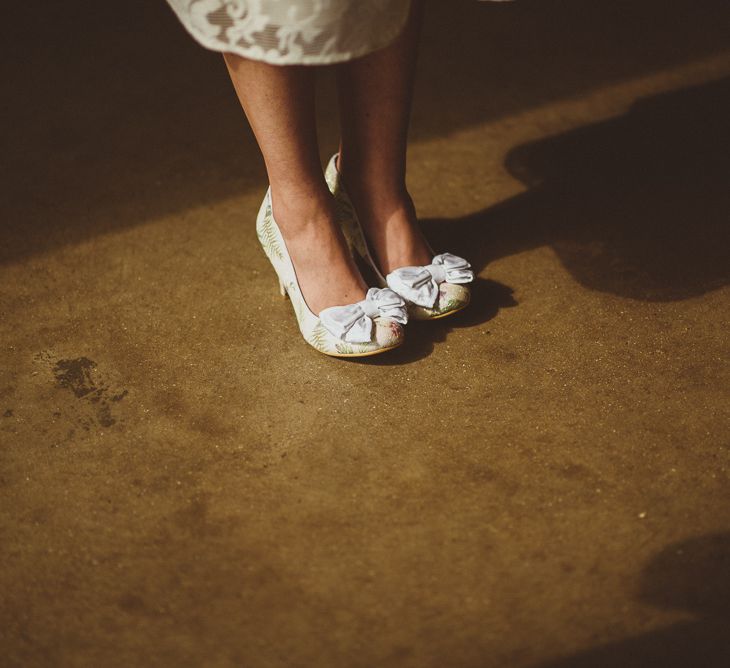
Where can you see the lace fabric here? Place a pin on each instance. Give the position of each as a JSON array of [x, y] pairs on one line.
[[288, 32]]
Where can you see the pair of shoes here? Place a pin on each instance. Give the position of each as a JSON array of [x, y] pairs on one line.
[[431, 291], [368, 327]]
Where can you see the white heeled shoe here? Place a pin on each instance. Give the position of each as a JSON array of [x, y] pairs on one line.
[[431, 291], [368, 327]]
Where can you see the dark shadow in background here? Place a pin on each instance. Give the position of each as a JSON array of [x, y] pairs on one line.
[[637, 206], [691, 576], [113, 115]]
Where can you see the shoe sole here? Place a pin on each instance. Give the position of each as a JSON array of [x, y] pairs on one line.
[[379, 351], [443, 315]]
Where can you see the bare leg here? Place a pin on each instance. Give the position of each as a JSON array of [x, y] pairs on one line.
[[279, 104], [375, 99]]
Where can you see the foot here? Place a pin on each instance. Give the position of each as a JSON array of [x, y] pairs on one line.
[[387, 216], [326, 272], [392, 231], [393, 238]]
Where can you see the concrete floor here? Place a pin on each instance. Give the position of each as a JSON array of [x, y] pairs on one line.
[[541, 482]]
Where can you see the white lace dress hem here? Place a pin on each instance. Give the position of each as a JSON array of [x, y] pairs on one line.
[[293, 32]]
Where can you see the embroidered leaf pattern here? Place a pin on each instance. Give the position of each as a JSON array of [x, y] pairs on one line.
[[319, 338], [299, 306], [344, 349], [269, 239]]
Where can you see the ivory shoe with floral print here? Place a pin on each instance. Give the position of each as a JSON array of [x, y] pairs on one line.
[[368, 327], [431, 291]]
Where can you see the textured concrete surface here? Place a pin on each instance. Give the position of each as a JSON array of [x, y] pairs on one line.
[[542, 482]]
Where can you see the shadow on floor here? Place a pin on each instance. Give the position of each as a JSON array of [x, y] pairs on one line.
[[691, 576], [117, 116], [637, 206], [487, 299]]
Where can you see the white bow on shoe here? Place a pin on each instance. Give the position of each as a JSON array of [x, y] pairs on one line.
[[420, 284], [354, 323]]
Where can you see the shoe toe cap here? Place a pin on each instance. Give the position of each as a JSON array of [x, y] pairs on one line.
[[388, 333], [452, 297]]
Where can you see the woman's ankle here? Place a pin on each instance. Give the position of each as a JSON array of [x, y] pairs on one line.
[[393, 234], [297, 211], [379, 201]]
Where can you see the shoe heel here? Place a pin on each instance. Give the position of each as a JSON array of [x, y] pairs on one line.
[[282, 289]]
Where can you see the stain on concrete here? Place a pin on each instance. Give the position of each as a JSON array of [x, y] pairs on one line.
[[120, 396], [105, 416], [134, 605], [76, 375], [80, 376], [8, 413]]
